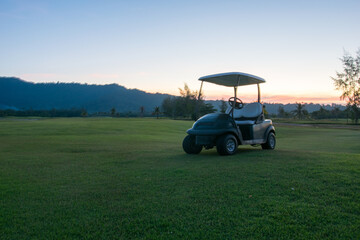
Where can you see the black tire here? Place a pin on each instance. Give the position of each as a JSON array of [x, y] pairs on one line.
[[270, 142], [190, 146], [226, 144]]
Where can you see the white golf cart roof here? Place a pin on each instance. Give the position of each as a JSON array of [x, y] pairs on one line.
[[232, 79]]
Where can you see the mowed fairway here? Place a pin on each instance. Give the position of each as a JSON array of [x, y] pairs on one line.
[[130, 179]]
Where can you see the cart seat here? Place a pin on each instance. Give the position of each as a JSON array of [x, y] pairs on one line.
[[248, 114], [245, 122]]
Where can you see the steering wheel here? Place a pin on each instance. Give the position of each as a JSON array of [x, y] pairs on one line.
[[236, 103]]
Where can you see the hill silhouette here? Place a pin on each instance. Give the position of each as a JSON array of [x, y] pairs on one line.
[[18, 94]]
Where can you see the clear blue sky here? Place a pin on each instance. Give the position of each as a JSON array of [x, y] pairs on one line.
[[158, 45]]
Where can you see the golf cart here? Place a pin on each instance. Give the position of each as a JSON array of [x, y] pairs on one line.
[[241, 124]]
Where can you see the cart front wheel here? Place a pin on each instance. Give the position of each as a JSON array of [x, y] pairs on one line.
[[226, 144], [270, 143], [189, 145]]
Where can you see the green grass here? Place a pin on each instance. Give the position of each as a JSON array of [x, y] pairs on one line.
[[340, 121], [130, 179]]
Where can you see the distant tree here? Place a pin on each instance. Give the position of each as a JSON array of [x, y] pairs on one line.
[[281, 112], [354, 112], [348, 82], [44, 113], [204, 108], [84, 113], [157, 112], [322, 113], [223, 106], [130, 114], [168, 106], [113, 112], [142, 111], [190, 105], [336, 112], [300, 111], [188, 102], [306, 114]]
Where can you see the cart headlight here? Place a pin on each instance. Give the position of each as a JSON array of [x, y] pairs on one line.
[[225, 125]]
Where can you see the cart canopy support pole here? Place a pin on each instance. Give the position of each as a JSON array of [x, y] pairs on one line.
[[233, 105], [258, 92], [200, 90]]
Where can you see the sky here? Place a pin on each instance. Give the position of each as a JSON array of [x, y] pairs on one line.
[[157, 46]]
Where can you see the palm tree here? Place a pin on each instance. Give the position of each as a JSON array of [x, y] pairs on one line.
[[112, 112], [300, 111], [142, 111], [335, 112], [157, 112]]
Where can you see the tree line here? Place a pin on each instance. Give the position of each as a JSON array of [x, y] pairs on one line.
[[301, 113], [76, 113], [44, 113], [183, 107]]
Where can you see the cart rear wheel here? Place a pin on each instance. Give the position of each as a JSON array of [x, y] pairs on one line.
[[226, 144], [270, 143], [189, 145]]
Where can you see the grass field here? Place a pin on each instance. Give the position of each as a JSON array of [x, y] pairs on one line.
[[130, 179], [344, 122]]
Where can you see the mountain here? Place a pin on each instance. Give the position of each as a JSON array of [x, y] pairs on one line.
[[18, 94]]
